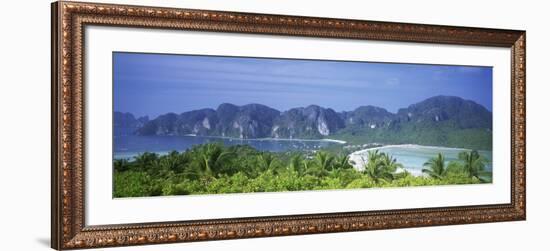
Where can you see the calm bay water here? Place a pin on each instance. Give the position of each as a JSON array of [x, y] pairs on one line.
[[128, 146]]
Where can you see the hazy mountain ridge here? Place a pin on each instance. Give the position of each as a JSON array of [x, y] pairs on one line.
[[435, 119], [126, 123]]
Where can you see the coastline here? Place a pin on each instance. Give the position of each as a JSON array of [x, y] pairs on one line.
[[126, 155], [359, 157], [269, 139], [362, 151]]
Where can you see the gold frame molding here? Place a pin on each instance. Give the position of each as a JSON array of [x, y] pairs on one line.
[[68, 226]]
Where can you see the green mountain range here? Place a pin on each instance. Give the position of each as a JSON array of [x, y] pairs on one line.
[[441, 120]]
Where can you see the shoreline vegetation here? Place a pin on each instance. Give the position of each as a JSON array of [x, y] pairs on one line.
[[214, 168], [269, 139], [357, 157]]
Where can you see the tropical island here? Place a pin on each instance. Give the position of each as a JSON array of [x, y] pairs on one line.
[[212, 151], [438, 121]]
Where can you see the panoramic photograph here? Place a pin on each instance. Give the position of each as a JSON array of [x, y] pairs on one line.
[[198, 125]]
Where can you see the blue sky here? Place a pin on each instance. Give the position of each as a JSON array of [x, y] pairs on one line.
[[154, 84]]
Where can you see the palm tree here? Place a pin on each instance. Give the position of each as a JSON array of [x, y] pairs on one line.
[[173, 162], [390, 163], [306, 165], [435, 167], [379, 166], [145, 160], [342, 162], [120, 165], [322, 164], [324, 160], [474, 164], [267, 161], [296, 164], [211, 159]]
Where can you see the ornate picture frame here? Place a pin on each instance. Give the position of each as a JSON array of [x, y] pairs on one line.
[[69, 230]]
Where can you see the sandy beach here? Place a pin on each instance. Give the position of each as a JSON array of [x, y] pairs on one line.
[[359, 157]]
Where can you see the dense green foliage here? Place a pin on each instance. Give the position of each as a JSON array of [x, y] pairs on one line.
[[474, 165], [215, 169], [435, 167]]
